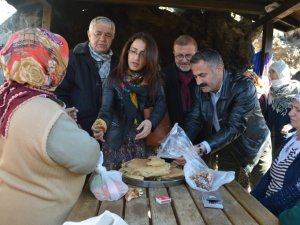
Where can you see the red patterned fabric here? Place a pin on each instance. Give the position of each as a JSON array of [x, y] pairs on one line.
[[34, 63]]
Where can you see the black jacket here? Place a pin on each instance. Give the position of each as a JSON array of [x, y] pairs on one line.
[[113, 112], [82, 86], [172, 91], [241, 121]]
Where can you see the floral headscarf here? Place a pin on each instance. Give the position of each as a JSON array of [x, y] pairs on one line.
[[34, 62], [35, 57]]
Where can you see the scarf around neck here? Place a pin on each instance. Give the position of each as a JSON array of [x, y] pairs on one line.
[[186, 99], [135, 93], [102, 62], [280, 96], [13, 96]]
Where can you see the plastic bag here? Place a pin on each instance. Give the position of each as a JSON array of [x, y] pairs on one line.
[[106, 218], [107, 185], [219, 177], [177, 144]]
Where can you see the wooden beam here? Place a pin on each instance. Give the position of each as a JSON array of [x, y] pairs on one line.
[[287, 8], [267, 44], [216, 5], [47, 13]]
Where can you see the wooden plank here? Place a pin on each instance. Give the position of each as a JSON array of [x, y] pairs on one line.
[[113, 206], [136, 210], [87, 206], [160, 214], [185, 208], [234, 211], [210, 216], [285, 9], [213, 5], [261, 214]]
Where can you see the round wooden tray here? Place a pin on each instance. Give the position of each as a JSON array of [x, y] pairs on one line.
[[153, 183]]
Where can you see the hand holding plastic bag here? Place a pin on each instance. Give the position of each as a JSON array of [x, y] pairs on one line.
[[177, 144], [107, 185]]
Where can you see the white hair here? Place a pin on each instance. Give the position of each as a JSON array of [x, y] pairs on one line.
[[104, 20]]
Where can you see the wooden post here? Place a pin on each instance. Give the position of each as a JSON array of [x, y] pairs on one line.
[[47, 12], [267, 43]]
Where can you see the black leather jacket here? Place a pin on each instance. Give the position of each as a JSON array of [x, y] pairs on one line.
[[242, 124], [113, 113]]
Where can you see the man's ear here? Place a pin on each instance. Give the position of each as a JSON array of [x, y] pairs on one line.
[[220, 68]]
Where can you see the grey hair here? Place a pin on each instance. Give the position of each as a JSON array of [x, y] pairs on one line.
[[104, 20], [209, 56]]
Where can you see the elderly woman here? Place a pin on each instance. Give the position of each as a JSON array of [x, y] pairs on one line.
[[44, 156], [279, 188], [279, 101]]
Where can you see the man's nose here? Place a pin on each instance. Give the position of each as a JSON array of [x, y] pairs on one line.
[[198, 80]]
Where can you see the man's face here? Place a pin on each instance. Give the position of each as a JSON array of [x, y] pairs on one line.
[[101, 36], [183, 55], [209, 79]]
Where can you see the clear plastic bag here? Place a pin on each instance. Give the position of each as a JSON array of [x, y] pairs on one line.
[[220, 178], [177, 144], [107, 185]]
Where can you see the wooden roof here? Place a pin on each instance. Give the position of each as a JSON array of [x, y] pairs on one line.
[[286, 17]]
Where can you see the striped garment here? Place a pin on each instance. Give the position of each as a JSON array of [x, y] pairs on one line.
[[281, 164]]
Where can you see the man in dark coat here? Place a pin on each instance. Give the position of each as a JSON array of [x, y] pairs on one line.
[[89, 65], [227, 113], [179, 82]]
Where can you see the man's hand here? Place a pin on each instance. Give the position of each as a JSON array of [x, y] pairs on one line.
[[98, 132], [180, 161], [145, 128], [72, 112], [200, 149]]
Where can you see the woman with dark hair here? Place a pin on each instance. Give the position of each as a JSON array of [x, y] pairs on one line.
[[132, 88]]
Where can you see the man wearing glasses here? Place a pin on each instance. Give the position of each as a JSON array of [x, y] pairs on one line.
[[179, 82], [89, 65]]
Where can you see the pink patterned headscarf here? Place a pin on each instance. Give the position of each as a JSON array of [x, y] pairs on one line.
[[34, 62]]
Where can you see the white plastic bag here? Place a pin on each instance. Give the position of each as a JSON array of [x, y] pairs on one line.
[[178, 144], [220, 177], [107, 185], [106, 218]]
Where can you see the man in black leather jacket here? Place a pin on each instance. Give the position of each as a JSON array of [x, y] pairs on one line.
[[89, 65], [227, 115]]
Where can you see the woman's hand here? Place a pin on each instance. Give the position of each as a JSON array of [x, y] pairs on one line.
[[72, 112], [286, 128], [98, 132], [144, 128]]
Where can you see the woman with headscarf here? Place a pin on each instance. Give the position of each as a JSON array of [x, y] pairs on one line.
[[282, 90], [44, 156], [129, 91], [278, 190]]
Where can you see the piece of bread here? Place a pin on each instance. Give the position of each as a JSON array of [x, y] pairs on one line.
[[133, 193]]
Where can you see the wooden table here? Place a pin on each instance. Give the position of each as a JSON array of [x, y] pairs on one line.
[[186, 208]]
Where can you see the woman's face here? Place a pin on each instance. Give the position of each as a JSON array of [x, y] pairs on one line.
[[295, 115], [136, 55], [272, 75]]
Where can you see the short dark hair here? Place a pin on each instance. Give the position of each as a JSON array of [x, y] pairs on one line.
[[208, 55]]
